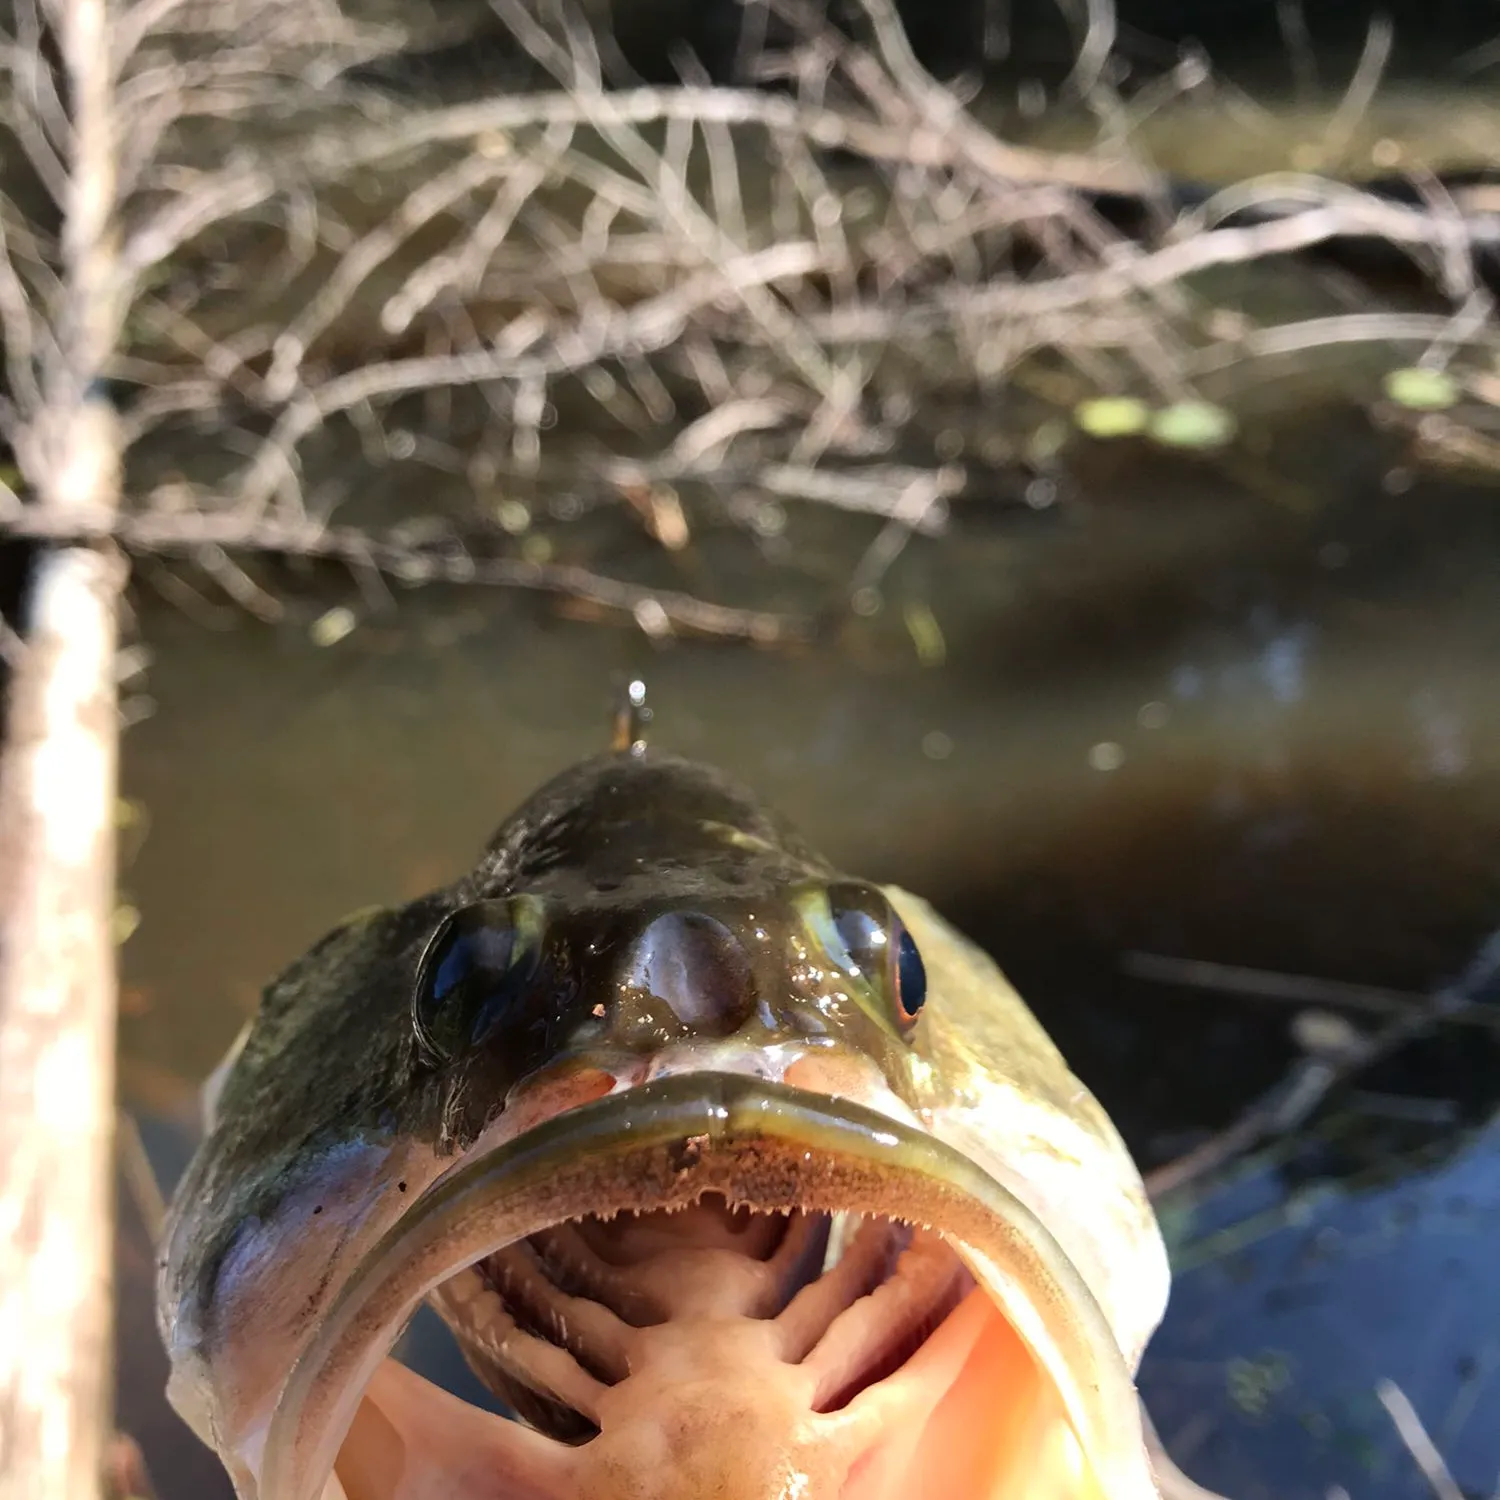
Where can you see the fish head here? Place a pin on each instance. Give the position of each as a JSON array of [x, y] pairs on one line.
[[731, 1175]]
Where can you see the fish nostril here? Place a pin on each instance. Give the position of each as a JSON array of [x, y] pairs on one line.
[[694, 964]]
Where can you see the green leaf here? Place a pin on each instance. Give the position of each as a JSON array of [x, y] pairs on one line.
[[926, 634], [1422, 390], [1192, 424], [123, 921], [1111, 416], [331, 627]]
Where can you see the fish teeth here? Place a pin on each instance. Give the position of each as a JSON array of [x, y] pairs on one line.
[[842, 1228]]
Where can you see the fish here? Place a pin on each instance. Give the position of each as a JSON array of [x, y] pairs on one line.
[[733, 1177]]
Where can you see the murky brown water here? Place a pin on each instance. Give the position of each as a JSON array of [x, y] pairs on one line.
[[1168, 716], [1238, 709]]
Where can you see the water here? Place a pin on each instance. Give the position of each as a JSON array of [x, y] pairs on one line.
[[1237, 709], [1169, 716]]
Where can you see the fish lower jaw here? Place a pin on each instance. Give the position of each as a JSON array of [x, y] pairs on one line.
[[715, 1354]]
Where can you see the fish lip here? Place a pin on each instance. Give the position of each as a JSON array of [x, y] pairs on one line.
[[661, 1144]]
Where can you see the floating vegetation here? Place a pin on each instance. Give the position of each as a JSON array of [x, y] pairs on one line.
[[123, 922], [1252, 1383], [1192, 424], [333, 626], [1422, 390], [926, 635], [1112, 416]]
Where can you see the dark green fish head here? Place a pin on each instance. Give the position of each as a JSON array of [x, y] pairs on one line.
[[731, 1174]]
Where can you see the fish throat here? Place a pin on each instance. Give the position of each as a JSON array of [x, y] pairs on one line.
[[619, 1315]]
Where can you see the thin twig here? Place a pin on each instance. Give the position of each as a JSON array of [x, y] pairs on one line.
[[140, 1176], [1362, 85], [1291, 19], [1295, 989], [426, 202], [1287, 1105], [1421, 1447], [212, 535], [1173, 263], [1342, 328], [893, 491], [649, 325], [1094, 51], [236, 190]]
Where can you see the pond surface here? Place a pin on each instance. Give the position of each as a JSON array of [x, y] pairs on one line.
[[1166, 715], [1140, 710]]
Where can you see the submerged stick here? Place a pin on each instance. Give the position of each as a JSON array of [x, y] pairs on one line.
[[1267, 984], [1288, 1104], [1421, 1447]]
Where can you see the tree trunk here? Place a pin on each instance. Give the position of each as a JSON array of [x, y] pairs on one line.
[[57, 1033]]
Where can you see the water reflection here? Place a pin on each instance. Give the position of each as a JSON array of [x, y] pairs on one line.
[[1295, 1298]]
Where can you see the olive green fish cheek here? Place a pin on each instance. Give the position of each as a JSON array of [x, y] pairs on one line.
[[237, 1303]]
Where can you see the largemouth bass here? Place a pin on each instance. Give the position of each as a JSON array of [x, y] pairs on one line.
[[733, 1176]]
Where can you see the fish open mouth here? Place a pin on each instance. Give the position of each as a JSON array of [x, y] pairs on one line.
[[557, 1324], [713, 1287]]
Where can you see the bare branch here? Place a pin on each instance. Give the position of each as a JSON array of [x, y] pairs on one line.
[[1362, 85], [210, 535], [462, 270], [1094, 52], [238, 189], [649, 325], [1287, 1105], [1421, 1447], [427, 202], [21, 331]]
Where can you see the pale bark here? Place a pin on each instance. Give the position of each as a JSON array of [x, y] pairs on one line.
[[57, 1010], [57, 801]]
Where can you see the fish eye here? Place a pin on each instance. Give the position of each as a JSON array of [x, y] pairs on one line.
[[877, 947], [911, 975], [475, 973]]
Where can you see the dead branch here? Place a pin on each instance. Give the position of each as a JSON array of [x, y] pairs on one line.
[[649, 326], [1288, 1105], [237, 191], [1362, 85], [1417, 1442], [211, 534], [1426, 329], [1174, 263], [601, 237], [1292, 989]]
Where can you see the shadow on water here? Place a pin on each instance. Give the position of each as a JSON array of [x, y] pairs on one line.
[[1173, 719]]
